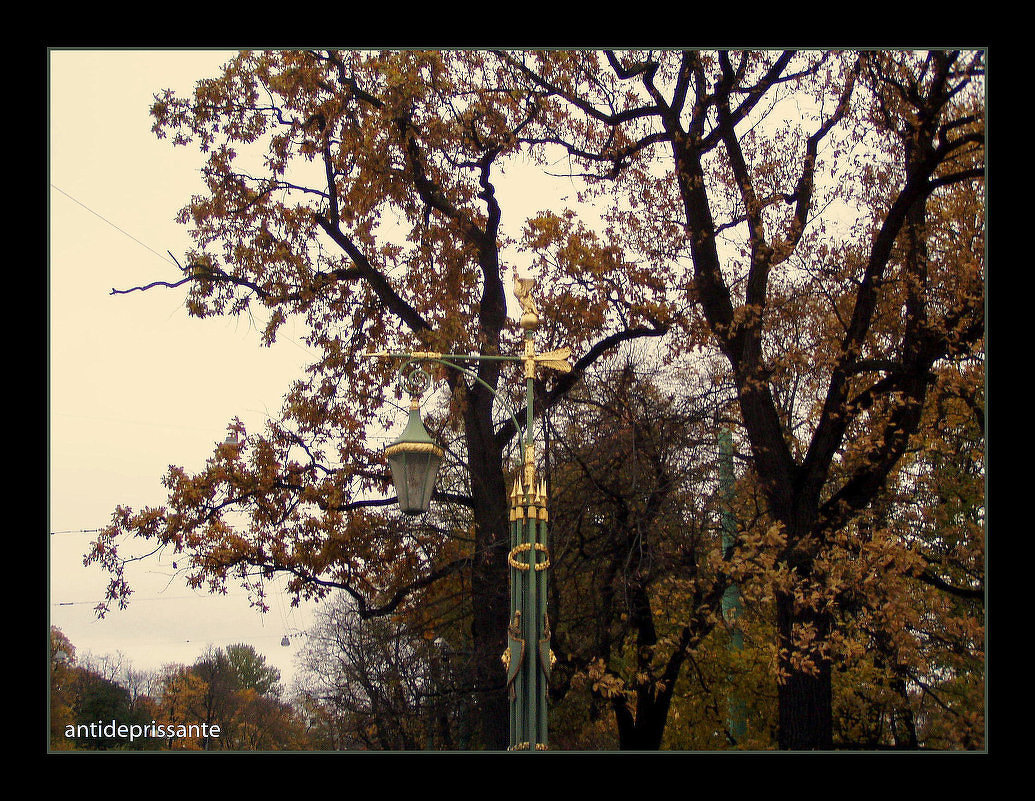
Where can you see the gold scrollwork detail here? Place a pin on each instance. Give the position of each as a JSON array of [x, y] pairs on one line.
[[524, 548]]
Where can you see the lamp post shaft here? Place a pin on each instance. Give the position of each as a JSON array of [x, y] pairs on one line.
[[527, 658], [731, 604]]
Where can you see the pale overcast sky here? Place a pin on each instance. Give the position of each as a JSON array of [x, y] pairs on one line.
[[136, 385]]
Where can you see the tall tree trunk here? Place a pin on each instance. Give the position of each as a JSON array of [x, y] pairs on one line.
[[804, 693], [644, 730], [489, 575]]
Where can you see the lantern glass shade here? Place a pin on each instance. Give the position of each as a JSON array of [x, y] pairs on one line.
[[414, 459]]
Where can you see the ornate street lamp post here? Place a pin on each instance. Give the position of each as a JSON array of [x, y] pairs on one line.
[[414, 459]]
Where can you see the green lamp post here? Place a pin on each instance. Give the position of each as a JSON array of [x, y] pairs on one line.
[[414, 459], [731, 604]]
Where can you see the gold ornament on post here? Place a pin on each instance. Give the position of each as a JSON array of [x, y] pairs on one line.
[[523, 292]]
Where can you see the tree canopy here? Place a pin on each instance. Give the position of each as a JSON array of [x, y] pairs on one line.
[[799, 237], [229, 699]]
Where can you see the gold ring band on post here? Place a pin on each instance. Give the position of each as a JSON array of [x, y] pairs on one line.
[[524, 548]]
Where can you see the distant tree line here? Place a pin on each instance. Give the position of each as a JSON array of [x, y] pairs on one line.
[[228, 699]]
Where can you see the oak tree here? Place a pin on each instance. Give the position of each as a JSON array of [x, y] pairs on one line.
[[769, 189], [356, 192]]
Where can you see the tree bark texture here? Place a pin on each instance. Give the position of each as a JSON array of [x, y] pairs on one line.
[[489, 575], [804, 695]]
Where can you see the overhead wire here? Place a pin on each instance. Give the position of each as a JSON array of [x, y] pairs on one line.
[[168, 259], [113, 225], [284, 614]]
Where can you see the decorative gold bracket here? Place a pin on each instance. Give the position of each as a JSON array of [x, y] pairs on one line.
[[555, 360]]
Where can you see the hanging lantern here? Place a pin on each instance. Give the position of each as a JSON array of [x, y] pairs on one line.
[[414, 459]]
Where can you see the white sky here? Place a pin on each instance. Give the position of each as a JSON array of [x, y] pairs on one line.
[[135, 384]]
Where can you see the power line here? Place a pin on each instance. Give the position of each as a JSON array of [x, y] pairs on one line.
[[166, 259], [137, 599], [113, 225]]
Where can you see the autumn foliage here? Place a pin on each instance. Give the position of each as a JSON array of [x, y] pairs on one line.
[[788, 246], [228, 700]]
